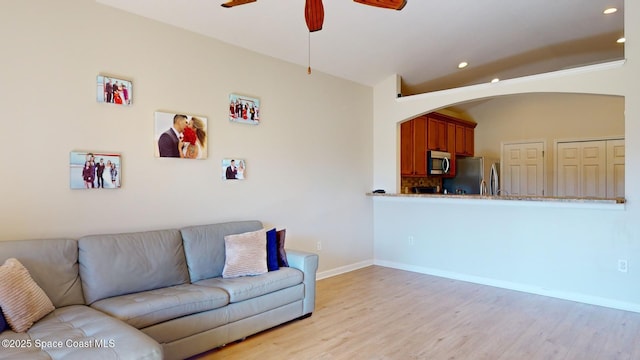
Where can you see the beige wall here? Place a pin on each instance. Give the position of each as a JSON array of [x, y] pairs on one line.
[[309, 162], [545, 117]]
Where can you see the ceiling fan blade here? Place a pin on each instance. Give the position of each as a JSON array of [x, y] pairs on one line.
[[233, 3], [387, 4], [314, 14]]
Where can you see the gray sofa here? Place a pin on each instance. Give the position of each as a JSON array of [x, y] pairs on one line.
[[152, 295]]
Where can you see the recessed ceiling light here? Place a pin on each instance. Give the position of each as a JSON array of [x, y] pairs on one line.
[[621, 40], [609, 11], [463, 65], [495, 80]]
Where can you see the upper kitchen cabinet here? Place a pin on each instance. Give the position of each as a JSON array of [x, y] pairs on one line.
[[450, 134], [436, 133], [433, 131], [464, 140], [413, 147]]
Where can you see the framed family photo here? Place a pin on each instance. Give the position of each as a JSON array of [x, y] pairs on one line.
[[244, 109], [95, 170], [234, 169], [180, 136], [114, 91]]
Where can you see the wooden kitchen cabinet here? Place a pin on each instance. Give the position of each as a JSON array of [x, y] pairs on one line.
[[451, 147], [464, 140], [436, 134], [413, 147], [434, 131]]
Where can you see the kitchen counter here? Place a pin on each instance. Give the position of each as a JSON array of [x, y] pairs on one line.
[[501, 198]]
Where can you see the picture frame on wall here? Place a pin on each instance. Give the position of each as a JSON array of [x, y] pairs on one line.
[[244, 109], [234, 169], [180, 135], [95, 170], [112, 90]]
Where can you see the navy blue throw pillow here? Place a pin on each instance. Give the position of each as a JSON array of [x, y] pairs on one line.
[[3, 322], [272, 250]]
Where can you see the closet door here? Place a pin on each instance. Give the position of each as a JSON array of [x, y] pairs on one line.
[[590, 168], [568, 170], [523, 169], [615, 168], [582, 169], [594, 169]]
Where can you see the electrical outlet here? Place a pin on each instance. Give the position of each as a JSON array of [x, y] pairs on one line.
[[319, 245], [411, 240], [623, 266]]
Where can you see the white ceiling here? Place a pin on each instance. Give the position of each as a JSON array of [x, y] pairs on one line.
[[423, 43]]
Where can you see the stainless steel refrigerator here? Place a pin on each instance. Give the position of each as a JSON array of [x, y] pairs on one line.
[[474, 175]]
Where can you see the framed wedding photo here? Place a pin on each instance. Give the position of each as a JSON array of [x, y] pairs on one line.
[[244, 109], [116, 91], [95, 170], [234, 169], [180, 136]]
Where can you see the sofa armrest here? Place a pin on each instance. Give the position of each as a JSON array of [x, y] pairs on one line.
[[307, 263]]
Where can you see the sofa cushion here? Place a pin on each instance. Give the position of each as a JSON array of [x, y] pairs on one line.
[[3, 322], [243, 288], [53, 265], [154, 306], [79, 332], [204, 246], [245, 254], [22, 301], [257, 306], [180, 329], [282, 253], [272, 250], [112, 265]]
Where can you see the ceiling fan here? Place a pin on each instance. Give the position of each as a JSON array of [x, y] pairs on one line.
[[314, 10]]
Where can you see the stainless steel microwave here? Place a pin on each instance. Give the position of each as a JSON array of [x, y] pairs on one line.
[[438, 162]]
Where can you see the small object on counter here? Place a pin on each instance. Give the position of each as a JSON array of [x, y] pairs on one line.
[[379, 191]]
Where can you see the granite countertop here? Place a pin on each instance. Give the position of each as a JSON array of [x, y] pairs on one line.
[[560, 199]]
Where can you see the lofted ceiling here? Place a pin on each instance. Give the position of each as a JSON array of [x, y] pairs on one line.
[[423, 43]]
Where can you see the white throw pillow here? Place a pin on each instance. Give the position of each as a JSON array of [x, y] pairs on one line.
[[22, 301], [245, 254]]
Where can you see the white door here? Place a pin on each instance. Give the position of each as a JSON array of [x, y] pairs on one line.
[[594, 169], [615, 168], [590, 168], [568, 169], [523, 169]]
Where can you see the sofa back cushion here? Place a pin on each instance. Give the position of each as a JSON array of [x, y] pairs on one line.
[[204, 246], [118, 264], [53, 265]]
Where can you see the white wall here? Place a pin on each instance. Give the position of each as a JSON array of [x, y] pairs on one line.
[[309, 162], [545, 117], [569, 252]]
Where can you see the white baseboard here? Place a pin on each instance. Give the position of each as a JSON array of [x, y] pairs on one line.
[[343, 269], [586, 299]]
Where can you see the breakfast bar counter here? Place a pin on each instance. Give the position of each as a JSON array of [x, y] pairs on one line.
[[617, 203]]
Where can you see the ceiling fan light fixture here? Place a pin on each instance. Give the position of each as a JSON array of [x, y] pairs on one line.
[[463, 65], [609, 11]]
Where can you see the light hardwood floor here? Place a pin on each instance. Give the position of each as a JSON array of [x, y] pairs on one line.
[[383, 313]]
